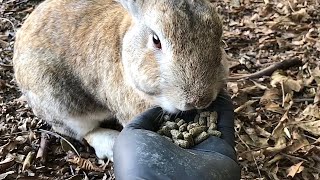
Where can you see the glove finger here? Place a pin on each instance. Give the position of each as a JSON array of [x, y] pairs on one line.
[[148, 120], [223, 102], [225, 123], [215, 144]]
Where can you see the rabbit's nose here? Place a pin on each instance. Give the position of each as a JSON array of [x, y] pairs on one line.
[[198, 102]]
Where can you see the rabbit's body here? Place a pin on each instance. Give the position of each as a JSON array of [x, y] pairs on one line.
[[63, 61], [81, 62]]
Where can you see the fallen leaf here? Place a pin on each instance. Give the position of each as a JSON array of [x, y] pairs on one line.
[[27, 161], [84, 164], [316, 75], [262, 132], [7, 163], [11, 145], [312, 110], [317, 96], [300, 15], [21, 139], [293, 170], [270, 95], [289, 84], [312, 127], [244, 106], [233, 86], [251, 90], [278, 130], [296, 145], [66, 146], [280, 145], [273, 172], [275, 159], [274, 107], [75, 177], [287, 132], [19, 158], [2, 84], [4, 175]]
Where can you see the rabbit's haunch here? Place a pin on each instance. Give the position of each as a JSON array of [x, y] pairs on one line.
[[187, 135]]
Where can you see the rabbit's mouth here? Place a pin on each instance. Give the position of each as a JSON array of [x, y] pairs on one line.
[[186, 104], [167, 105], [171, 108]]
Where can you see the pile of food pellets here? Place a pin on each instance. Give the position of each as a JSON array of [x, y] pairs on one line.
[[189, 134]]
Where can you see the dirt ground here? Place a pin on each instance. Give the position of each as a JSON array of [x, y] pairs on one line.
[[277, 114]]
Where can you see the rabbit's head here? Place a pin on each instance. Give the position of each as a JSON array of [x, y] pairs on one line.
[[172, 52]]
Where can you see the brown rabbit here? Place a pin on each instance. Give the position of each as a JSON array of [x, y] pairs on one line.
[[82, 62]]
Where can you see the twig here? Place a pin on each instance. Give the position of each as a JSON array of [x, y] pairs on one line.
[[254, 158], [41, 154], [71, 145], [269, 70], [6, 66], [316, 141], [294, 157], [290, 6], [296, 100], [72, 171], [59, 136], [13, 134], [283, 93], [8, 20]]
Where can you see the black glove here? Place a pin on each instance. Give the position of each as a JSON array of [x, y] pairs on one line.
[[140, 153]]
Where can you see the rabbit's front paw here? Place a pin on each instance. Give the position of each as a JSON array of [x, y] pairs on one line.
[[102, 140]]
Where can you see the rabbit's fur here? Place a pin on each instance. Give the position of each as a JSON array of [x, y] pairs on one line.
[[81, 62]]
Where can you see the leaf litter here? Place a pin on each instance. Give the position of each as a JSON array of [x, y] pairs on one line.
[[278, 135], [277, 114]]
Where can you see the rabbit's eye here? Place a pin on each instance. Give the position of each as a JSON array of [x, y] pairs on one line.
[[156, 41]]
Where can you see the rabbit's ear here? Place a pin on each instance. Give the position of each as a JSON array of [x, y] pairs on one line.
[[133, 7]]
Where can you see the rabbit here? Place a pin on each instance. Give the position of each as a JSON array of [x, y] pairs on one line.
[[83, 62]]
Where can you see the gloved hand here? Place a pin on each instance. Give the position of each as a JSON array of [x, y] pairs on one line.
[[140, 153]]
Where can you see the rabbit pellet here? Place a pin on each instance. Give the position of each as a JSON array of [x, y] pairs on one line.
[[187, 135]]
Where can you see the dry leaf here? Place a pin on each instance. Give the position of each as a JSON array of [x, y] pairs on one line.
[[233, 87], [11, 145], [316, 75], [262, 132], [280, 145], [270, 95], [235, 3], [300, 15], [250, 90], [21, 139], [317, 96], [312, 110], [19, 158], [274, 107], [244, 106], [287, 132], [4, 175], [273, 172], [275, 159], [289, 84], [257, 141], [293, 170], [7, 163], [84, 164], [278, 130], [311, 127], [297, 144], [27, 161]]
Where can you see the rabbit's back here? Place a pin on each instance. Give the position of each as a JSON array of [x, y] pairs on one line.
[[67, 61]]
